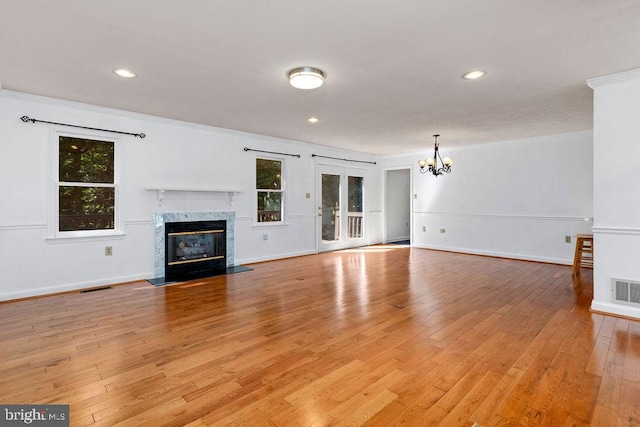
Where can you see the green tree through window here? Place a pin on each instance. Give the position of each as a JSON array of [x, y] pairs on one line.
[[269, 190], [86, 189]]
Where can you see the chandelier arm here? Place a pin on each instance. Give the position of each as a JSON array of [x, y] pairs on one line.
[[434, 167], [439, 157]]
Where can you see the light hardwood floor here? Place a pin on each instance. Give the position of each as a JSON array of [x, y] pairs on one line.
[[377, 336]]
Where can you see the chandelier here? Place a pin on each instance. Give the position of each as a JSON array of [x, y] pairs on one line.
[[431, 164]]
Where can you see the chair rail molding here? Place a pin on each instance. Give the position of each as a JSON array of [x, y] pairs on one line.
[[616, 230]]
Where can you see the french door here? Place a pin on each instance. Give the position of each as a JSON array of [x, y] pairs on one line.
[[341, 221]]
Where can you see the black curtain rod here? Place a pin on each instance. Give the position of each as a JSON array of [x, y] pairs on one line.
[[346, 160], [272, 152], [28, 119]]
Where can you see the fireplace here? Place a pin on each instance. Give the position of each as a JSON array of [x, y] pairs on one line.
[[194, 249], [201, 252]]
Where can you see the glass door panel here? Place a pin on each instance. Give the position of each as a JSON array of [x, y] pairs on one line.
[[355, 211], [341, 222], [331, 224]]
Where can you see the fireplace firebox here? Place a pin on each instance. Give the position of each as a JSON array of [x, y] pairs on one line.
[[195, 249]]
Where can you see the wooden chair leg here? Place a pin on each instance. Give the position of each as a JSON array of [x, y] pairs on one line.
[[577, 257], [584, 245]]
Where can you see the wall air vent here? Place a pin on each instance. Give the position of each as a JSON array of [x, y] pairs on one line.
[[626, 292]]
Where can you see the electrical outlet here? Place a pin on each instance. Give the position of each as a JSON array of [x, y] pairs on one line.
[[265, 236], [567, 239], [442, 230], [108, 250], [308, 195], [424, 228]]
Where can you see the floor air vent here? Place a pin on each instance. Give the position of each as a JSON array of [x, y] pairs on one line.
[[626, 292], [103, 288]]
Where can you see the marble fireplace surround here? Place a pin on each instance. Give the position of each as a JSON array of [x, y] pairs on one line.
[[160, 219]]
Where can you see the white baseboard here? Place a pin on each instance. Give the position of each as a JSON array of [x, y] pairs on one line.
[[561, 261], [73, 287], [615, 309]]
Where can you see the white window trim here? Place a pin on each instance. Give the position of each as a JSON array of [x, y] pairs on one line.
[[53, 232], [282, 190]]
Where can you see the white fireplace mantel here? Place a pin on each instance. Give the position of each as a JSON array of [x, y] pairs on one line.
[[161, 190]]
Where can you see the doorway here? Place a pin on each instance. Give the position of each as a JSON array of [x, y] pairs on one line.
[[398, 206], [341, 218]]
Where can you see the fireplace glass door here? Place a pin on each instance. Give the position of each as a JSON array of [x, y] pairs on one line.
[[194, 249], [187, 247]]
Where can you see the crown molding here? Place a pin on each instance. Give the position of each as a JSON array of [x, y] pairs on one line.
[[624, 76]]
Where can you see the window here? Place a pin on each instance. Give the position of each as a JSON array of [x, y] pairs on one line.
[[355, 213], [269, 190], [86, 193]]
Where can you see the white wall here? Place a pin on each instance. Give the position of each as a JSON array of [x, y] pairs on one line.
[[616, 227], [516, 199], [174, 154]]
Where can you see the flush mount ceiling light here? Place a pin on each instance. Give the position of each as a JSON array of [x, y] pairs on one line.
[[123, 72], [313, 120], [306, 78], [475, 74]]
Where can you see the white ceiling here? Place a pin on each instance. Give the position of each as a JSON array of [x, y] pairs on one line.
[[393, 68]]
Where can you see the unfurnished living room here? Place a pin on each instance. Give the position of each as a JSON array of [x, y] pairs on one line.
[[419, 213]]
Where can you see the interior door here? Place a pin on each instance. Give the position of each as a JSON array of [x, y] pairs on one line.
[[341, 220]]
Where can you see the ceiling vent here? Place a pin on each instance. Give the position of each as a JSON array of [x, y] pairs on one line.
[[626, 292]]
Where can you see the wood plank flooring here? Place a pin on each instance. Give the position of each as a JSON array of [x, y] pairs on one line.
[[376, 336]]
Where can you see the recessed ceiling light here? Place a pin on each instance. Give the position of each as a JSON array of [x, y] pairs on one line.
[[122, 72], [306, 78], [475, 74], [313, 120]]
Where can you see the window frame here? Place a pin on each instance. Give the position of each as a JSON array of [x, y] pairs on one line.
[[282, 192], [54, 221]]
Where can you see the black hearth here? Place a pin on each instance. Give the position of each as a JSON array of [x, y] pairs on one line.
[[195, 249]]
